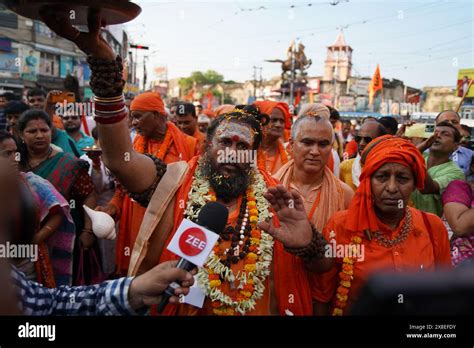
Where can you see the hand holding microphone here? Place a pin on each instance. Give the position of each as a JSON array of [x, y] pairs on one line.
[[147, 289]]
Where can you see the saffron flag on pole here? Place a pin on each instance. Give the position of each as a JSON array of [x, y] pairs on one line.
[[375, 85]]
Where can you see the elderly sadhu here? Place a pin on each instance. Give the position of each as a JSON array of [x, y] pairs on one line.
[[317, 109], [160, 138], [322, 192], [386, 234], [273, 154]]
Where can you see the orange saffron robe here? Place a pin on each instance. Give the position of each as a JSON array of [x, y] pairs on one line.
[[417, 252], [273, 162], [201, 140], [289, 279], [130, 212]]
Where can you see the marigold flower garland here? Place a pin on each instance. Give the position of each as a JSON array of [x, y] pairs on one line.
[[345, 277], [142, 145], [256, 262]]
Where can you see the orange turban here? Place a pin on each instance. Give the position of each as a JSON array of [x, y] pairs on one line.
[[223, 109], [382, 150], [148, 101], [267, 107]]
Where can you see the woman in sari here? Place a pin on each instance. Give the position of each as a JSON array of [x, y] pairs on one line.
[[54, 230], [458, 208], [66, 173], [381, 232]]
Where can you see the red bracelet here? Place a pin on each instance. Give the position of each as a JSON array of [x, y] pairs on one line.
[[109, 107], [110, 120]]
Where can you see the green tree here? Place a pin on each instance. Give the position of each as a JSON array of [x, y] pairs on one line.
[[199, 78]]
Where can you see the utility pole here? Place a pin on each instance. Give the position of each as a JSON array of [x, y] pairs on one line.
[[292, 77], [144, 72], [138, 47], [254, 82], [261, 81]]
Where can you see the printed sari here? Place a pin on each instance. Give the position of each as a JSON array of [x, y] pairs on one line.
[[54, 264]]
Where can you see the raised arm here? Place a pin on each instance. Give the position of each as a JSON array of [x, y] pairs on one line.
[[135, 171]]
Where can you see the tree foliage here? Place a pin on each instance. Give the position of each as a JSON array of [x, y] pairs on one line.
[[210, 77]]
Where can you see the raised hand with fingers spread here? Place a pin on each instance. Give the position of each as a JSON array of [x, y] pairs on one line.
[[295, 230]]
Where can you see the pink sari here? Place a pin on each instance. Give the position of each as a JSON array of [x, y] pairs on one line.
[[462, 248]]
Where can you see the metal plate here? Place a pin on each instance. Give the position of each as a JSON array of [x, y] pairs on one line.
[[112, 12]]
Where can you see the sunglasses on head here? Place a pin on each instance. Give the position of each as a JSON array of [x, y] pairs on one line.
[[358, 138], [72, 118]]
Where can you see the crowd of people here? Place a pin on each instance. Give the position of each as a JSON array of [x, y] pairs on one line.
[[316, 183]]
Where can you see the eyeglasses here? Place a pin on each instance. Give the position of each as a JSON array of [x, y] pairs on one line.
[[72, 118], [358, 138]]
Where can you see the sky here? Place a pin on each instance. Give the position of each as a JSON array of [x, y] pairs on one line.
[[423, 43]]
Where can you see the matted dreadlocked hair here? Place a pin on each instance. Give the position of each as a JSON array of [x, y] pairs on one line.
[[248, 114]]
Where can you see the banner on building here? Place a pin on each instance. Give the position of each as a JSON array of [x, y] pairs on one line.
[[464, 77], [30, 61], [346, 103], [359, 87], [67, 66], [209, 101], [78, 71], [9, 62], [324, 98]]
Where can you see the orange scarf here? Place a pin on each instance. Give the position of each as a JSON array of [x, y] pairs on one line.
[[173, 137], [385, 149], [331, 193], [290, 279], [262, 158]]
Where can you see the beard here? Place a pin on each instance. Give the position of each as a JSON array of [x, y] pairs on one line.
[[72, 128], [225, 187]]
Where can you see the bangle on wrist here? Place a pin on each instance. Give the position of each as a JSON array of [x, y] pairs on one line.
[[110, 120]]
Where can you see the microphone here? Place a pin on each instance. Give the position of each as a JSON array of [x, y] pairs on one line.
[[212, 216]]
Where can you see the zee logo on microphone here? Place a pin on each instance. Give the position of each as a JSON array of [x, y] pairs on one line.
[[192, 241]]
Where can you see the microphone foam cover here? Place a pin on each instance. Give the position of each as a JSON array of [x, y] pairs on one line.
[[213, 216]]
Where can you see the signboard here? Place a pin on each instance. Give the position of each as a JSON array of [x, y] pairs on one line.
[[314, 85], [5, 45], [359, 87], [464, 77], [78, 71], [324, 98], [9, 62], [30, 60], [67, 66], [346, 103], [361, 104]]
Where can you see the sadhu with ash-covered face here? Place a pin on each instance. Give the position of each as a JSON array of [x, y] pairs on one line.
[[272, 258], [386, 234]]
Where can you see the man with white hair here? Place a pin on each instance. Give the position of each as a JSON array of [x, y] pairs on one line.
[[318, 109], [322, 192]]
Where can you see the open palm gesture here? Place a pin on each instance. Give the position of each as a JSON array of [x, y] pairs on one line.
[[295, 230]]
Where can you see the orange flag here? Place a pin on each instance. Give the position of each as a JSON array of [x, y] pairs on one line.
[[375, 85]]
